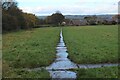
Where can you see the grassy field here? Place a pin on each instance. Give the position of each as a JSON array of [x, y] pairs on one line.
[[104, 72], [37, 47], [30, 49], [92, 44]]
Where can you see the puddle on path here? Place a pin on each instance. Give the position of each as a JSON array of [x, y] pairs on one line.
[[86, 66], [58, 68], [63, 74]]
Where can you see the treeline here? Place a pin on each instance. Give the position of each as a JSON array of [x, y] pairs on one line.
[[14, 19], [53, 20], [59, 19], [94, 20]]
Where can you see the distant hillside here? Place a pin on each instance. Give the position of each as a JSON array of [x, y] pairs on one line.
[[80, 16], [42, 17]]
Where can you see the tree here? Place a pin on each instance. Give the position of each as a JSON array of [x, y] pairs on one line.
[[92, 20], [55, 18], [48, 20], [10, 22], [30, 20], [6, 4], [14, 19], [116, 18]]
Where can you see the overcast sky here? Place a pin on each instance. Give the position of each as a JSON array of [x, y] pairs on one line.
[[68, 7]]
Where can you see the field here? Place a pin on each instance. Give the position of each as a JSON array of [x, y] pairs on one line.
[[37, 48], [92, 44], [30, 49]]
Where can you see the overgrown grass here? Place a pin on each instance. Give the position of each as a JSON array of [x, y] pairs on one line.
[[92, 44], [31, 48], [104, 72]]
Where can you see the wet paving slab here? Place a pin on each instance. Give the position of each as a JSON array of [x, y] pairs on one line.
[[86, 66], [64, 64], [63, 74]]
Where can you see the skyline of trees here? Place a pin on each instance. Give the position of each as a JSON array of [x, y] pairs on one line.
[[14, 19], [56, 18]]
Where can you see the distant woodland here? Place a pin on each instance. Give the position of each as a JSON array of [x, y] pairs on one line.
[[14, 19]]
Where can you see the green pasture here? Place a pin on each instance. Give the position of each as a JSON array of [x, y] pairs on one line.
[[92, 44], [37, 48], [31, 48]]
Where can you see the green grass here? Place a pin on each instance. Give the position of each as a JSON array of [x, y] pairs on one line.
[[92, 44], [37, 47], [18, 73], [31, 48], [104, 72]]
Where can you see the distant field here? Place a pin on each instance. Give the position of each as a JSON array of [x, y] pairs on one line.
[[92, 44], [31, 48]]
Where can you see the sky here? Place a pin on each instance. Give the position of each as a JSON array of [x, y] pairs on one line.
[[69, 7]]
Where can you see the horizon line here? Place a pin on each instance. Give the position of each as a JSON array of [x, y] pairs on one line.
[[80, 14]]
